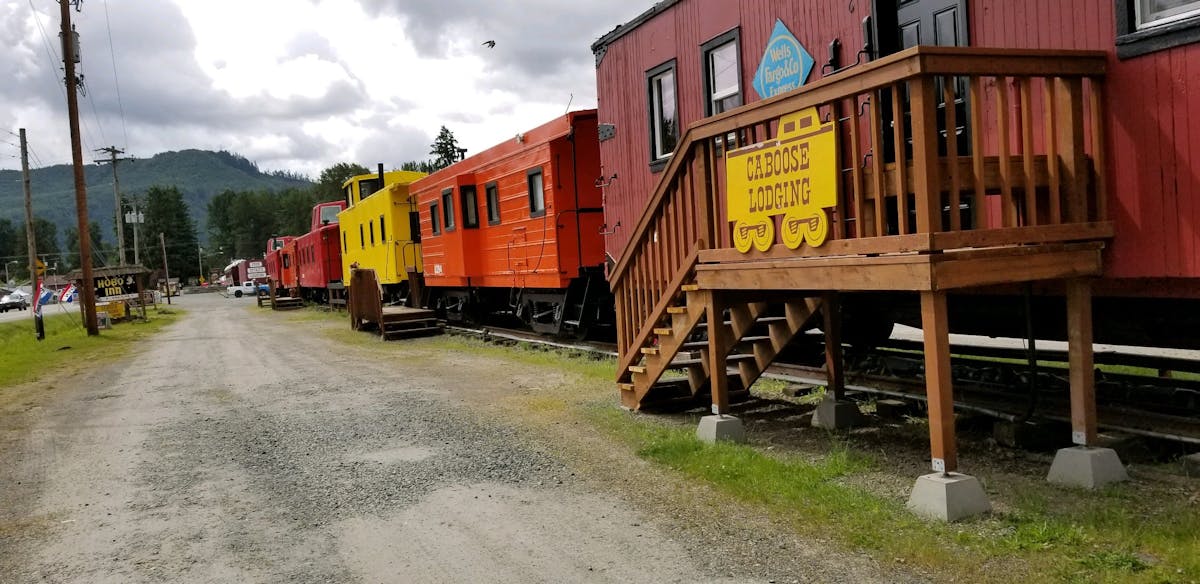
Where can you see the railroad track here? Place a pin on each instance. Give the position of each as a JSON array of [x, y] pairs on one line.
[[1173, 415]]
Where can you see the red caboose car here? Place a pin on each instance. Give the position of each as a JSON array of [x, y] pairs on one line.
[[516, 229], [318, 253]]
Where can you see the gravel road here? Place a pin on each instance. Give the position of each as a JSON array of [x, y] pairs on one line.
[[215, 455]]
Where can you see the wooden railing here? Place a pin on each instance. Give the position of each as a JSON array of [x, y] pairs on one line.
[[939, 148]]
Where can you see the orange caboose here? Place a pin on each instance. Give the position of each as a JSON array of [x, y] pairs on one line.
[[516, 230]]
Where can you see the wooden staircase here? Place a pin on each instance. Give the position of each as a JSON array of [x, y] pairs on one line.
[[697, 326]]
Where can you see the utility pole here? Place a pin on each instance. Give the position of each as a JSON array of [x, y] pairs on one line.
[[112, 152], [88, 292], [162, 240], [200, 260], [32, 243]]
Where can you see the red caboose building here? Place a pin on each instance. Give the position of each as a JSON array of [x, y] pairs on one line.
[[516, 229], [924, 162]]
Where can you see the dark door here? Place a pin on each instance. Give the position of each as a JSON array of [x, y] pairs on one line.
[[902, 24], [930, 22]]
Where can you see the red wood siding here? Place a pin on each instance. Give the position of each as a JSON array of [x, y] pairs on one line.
[[1153, 105], [677, 33], [1153, 128]]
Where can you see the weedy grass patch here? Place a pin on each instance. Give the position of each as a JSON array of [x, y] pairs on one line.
[[23, 358]]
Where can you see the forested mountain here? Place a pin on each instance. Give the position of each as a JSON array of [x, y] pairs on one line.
[[198, 174]]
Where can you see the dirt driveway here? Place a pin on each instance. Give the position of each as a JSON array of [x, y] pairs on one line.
[[237, 448]]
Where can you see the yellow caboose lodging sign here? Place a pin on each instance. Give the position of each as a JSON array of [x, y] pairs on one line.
[[794, 176]]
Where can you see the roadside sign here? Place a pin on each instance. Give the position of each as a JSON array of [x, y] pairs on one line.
[[41, 267], [112, 288]]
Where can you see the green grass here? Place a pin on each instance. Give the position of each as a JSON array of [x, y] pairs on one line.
[[23, 358], [1046, 533]]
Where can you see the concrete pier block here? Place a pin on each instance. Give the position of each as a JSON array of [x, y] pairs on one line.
[[1090, 468], [948, 497], [836, 415], [892, 409], [716, 427]]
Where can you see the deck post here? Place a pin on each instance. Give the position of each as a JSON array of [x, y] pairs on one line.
[[938, 381], [834, 412], [717, 353], [720, 425], [1084, 465], [944, 494]]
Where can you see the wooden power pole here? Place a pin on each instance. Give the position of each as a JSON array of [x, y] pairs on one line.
[[32, 243], [88, 290], [162, 240], [112, 159]]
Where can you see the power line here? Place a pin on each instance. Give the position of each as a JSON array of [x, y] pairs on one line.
[[116, 82]]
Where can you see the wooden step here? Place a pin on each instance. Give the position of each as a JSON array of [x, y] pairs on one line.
[[729, 359], [690, 287], [677, 310], [626, 387], [664, 331], [412, 332], [649, 350], [637, 369]]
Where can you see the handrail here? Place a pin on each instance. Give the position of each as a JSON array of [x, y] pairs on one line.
[[909, 64], [630, 357]]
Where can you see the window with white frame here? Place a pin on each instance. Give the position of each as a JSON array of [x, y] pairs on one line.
[[1159, 12], [664, 113], [722, 74]]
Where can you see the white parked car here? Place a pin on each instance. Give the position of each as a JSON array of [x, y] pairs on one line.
[[246, 289]]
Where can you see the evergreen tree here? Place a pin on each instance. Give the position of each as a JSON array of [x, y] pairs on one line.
[[445, 150], [167, 213], [329, 184]]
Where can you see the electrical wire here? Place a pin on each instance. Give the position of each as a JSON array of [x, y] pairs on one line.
[[116, 81]]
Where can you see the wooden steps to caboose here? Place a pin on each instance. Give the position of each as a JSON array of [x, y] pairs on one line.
[[287, 303], [748, 334], [403, 322]]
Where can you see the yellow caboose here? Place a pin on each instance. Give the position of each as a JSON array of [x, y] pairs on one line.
[[380, 231]]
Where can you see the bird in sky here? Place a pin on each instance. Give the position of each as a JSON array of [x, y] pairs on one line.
[[490, 44]]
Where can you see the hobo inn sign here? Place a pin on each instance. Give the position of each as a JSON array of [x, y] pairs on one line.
[[795, 176]]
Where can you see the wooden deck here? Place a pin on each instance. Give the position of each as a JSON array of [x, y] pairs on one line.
[[918, 209]]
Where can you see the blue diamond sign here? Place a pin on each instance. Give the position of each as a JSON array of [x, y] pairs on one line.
[[785, 64]]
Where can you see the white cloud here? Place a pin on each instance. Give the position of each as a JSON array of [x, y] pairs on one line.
[[303, 84]]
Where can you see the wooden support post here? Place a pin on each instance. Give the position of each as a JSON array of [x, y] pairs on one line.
[[717, 352], [1082, 374], [938, 381], [832, 312]]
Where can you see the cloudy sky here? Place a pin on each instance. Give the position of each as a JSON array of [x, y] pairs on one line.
[[299, 85]]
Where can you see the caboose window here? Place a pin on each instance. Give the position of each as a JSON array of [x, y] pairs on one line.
[[448, 209], [470, 206], [721, 73], [371, 227], [493, 203], [1159, 12], [362, 241], [329, 215], [345, 248], [382, 231], [433, 219], [537, 193], [664, 118], [1146, 26]]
